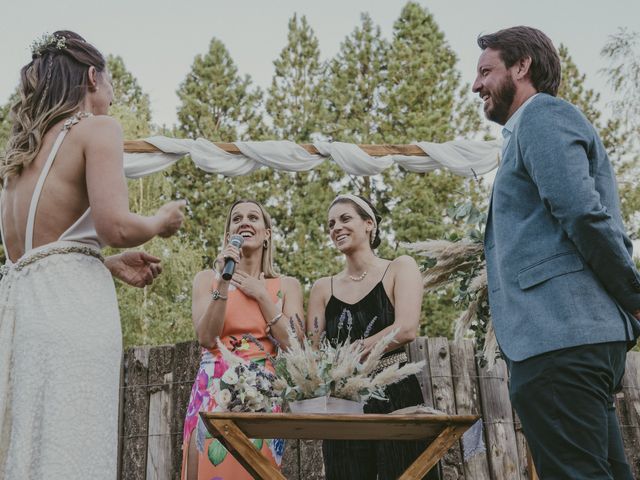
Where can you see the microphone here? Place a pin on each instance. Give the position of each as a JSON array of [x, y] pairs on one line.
[[229, 264]]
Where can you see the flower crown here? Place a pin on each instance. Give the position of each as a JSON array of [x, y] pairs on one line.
[[39, 45]]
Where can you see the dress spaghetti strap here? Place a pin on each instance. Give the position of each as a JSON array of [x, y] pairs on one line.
[[35, 197], [37, 191], [385, 271]]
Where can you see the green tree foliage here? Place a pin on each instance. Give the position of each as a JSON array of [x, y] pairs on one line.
[[216, 102], [131, 105], [161, 312], [296, 103], [355, 84], [424, 101], [573, 89], [424, 98], [357, 77], [220, 105], [623, 52], [295, 97]]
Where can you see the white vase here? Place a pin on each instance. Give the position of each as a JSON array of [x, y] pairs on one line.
[[326, 405]]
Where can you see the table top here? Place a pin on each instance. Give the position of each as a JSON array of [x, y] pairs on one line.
[[339, 426]]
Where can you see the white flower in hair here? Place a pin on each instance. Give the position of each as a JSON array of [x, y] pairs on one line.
[[39, 45]]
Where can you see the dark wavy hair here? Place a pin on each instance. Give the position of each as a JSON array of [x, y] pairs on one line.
[[52, 85], [516, 43]]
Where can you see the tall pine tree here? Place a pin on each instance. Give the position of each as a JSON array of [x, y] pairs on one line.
[[622, 50], [131, 105], [220, 105], [296, 103], [295, 97], [573, 89], [424, 101], [216, 102], [355, 85]]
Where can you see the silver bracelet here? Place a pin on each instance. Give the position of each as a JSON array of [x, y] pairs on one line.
[[274, 320]]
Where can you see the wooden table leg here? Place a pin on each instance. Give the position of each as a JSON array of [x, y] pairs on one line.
[[531, 468], [434, 452], [245, 452]]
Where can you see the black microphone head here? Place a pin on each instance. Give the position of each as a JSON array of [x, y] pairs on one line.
[[236, 240]]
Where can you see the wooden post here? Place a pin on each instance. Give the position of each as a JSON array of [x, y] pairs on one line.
[[417, 351], [444, 400], [291, 460], [136, 414], [185, 368], [467, 390], [498, 420], [628, 406], [159, 445], [525, 460]]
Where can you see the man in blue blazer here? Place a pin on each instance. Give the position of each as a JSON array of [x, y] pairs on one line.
[[563, 289]]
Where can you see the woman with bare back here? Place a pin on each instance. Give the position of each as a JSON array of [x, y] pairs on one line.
[[64, 197]]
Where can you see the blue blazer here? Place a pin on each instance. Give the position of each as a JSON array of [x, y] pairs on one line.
[[559, 262]]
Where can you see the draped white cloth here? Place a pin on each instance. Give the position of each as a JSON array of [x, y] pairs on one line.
[[467, 158]]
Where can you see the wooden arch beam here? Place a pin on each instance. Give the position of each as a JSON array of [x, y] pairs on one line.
[[140, 146]]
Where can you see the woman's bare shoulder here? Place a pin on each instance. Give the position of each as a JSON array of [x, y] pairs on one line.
[[321, 287], [205, 277], [403, 262], [99, 129], [290, 282]]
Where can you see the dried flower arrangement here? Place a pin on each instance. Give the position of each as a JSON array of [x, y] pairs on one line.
[[337, 369]]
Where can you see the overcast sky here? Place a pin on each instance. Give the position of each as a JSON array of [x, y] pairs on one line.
[[159, 39]]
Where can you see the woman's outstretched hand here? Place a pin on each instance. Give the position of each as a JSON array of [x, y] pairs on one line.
[[171, 217], [135, 268]]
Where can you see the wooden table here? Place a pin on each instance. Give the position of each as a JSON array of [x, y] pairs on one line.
[[235, 429]]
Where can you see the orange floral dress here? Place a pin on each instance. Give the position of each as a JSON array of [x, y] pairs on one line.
[[244, 328]]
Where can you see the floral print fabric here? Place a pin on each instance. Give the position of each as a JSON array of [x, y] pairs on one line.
[[214, 461]]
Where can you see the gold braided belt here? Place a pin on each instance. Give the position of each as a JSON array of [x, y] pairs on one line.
[[31, 259], [385, 362]]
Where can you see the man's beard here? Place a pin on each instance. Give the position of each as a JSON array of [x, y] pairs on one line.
[[501, 101]]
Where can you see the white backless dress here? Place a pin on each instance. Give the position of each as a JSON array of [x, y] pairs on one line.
[[60, 354]]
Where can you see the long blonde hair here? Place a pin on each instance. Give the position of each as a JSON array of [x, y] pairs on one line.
[[52, 86], [267, 254]]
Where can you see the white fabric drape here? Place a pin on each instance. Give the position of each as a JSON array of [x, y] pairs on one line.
[[462, 157]]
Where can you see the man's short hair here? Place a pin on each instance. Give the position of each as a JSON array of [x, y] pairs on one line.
[[516, 43]]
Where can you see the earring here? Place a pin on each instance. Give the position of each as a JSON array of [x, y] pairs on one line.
[[265, 244]]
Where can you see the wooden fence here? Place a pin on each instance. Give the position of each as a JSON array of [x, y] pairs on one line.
[[156, 384]]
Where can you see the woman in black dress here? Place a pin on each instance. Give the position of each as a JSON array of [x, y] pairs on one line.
[[381, 296]]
